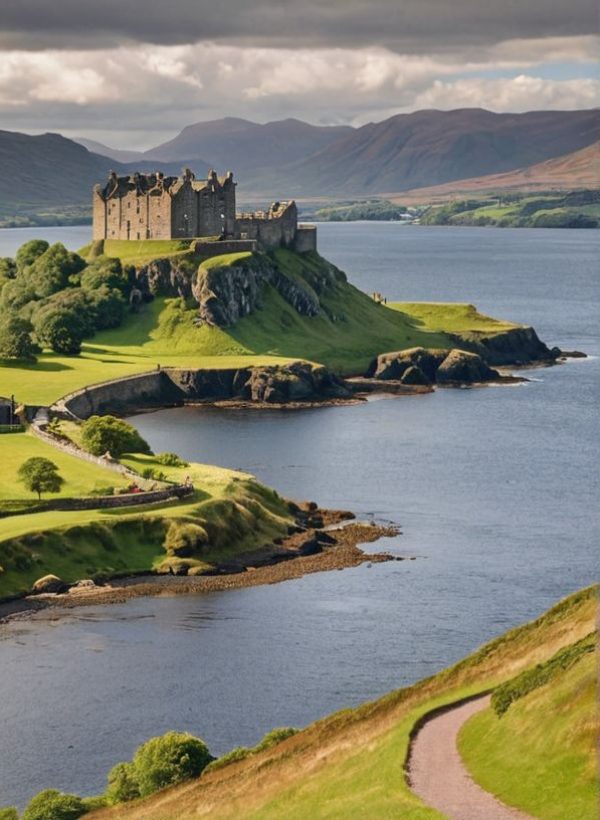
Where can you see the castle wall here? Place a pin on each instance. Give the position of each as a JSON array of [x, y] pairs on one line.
[[152, 206], [306, 239], [184, 212], [158, 208], [98, 216]]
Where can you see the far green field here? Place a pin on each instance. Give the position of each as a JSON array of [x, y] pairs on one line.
[[539, 756], [81, 477]]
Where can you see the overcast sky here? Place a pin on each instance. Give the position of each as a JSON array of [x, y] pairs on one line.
[[132, 73]]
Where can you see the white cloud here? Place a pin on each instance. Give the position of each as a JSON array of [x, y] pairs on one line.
[[148, 88], [521, 93]]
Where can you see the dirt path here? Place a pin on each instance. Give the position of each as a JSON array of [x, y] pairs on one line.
[[438, 775]]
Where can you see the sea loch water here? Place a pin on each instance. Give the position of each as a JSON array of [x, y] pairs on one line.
[[495, 490]]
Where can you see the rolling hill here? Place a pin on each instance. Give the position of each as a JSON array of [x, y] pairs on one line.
[[290, 158], [248, 147], [579, 169], [354, 758], [434, 147]]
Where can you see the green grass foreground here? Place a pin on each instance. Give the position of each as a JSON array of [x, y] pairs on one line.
[[237, 512], [539, 756], [350, 763]]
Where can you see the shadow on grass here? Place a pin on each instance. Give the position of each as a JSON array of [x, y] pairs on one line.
[[35, 367]]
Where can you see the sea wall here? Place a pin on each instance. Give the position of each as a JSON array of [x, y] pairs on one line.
[[276, 384]]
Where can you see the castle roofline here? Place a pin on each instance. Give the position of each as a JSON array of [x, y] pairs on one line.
[[146, 182]]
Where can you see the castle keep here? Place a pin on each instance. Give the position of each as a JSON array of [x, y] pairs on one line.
[[155, 206]]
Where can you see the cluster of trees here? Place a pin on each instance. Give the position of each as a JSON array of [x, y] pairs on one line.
[[51, 297], [158, 763], [380, 210], [559, 211]]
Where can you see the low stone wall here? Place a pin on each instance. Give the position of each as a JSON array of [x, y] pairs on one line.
[[105, 502], [296, 381], [209, 249]]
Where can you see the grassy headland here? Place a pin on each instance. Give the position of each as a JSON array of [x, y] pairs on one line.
[[348, 332], [338, 765], [230, 511]]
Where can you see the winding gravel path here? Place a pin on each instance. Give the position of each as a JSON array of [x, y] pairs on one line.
[[438, 775]]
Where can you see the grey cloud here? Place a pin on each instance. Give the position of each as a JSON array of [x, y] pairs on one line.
[[402, 25]]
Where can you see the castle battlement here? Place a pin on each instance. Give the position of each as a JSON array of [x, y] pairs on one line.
[[155, 206]]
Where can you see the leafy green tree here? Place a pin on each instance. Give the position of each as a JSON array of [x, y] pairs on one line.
[[40, 475], [8, 269], [107, 307], [172, 758], [56, 269], [54, 805], [9, 813], [16, 293], [101, 434], [29, 252], [105, 271], [122, 784], [15, 338], [62, 329]]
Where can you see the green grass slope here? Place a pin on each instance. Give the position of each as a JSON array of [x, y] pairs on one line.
[[81, 477], [350, 764], [237, 513], [539, 755]]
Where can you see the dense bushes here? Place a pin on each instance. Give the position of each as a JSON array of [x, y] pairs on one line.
[[158, 763], [16, 340], [53, 805], [64, 298], [102, 434], [539, 675]]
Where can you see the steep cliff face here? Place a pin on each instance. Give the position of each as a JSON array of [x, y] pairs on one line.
[[227, 292], [228, 289]]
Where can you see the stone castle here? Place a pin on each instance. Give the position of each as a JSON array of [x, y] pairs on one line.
[[155, 206]]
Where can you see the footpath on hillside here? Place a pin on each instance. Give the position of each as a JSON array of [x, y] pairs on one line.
[[438, 775]]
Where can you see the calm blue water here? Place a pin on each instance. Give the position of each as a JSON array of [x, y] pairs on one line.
[[495, 489]]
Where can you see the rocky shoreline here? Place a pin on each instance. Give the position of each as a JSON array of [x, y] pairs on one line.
[[329, 541]]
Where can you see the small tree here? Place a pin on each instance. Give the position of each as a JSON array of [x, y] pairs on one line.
[[101, 434], [9, 813], [40, 475], [54, 805], [122, 784], [15, 338], [172, 758]]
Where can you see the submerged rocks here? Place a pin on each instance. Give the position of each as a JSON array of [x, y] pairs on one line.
[[418, 366]]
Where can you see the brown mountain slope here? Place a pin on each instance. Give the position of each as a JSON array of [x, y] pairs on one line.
[[434, 147], [247, 147], [580, 169]]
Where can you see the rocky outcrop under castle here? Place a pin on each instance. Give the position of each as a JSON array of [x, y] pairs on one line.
[[226, 293]]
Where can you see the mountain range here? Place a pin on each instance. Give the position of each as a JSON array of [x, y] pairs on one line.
[[291, 158]]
